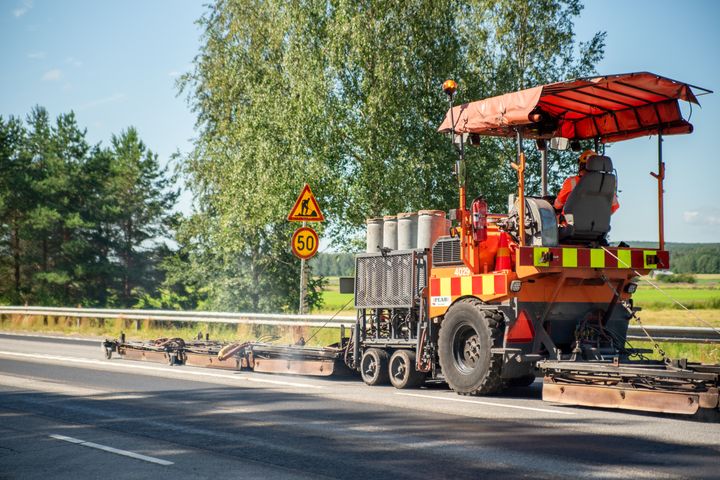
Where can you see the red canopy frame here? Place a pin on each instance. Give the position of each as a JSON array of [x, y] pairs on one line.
[[610, 108]]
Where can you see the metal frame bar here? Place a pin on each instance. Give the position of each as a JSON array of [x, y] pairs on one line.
[[582, 92], [582, 102]]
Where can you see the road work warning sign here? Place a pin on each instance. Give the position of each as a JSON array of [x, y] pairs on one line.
[[306, 208]]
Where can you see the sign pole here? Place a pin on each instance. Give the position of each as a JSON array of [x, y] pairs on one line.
[[305, 240], [303, 283]]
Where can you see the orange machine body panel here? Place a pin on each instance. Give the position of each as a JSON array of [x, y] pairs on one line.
[[588, 275]]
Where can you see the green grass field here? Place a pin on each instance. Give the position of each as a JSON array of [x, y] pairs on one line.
[[704, 294], [334, 301], [650, 298]]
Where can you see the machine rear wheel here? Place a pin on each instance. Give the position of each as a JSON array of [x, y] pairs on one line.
[[402, 370], [467, 334], [374, 367]]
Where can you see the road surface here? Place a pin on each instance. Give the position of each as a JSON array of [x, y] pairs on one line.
[[66, 412]]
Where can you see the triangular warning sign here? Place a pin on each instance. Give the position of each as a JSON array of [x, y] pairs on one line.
[[306, 208]]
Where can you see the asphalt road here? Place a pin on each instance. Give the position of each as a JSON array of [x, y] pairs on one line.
[[66, 412]]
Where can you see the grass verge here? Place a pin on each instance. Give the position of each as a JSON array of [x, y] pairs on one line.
[[147, 330]]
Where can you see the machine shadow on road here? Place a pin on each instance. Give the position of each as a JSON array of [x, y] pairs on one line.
[[349, 439]]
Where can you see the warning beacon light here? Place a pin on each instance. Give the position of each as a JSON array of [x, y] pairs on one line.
[[449, 87]]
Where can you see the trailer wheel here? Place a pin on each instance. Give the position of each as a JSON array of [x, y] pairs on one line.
[[467, 334], [374, 367], [402, 370]]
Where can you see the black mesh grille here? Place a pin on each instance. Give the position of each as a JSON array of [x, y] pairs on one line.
[[389, 281], [446, 251]]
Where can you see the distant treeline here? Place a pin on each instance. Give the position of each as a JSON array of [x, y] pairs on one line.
[[334, 264], [694, 258], [80, 224]]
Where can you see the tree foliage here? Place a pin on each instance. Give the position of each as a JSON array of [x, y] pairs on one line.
[[345, 95], [79, 224]]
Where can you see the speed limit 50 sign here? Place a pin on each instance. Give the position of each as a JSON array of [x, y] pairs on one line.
[[304, 243]]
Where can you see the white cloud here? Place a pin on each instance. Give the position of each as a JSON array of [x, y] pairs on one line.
[[174, 73], [703, 216], [36, 55], [23, 8], [74, 61], [116, 97], [52, 75]]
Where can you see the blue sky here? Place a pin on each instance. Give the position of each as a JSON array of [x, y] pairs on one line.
[[115, 64]]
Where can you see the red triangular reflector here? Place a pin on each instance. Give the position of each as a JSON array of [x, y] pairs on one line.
[[522, 331]]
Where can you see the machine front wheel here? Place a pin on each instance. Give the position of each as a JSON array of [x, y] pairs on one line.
[[467, 334]]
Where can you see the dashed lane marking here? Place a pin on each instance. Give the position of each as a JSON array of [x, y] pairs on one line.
[[481, 402], [116, 451]]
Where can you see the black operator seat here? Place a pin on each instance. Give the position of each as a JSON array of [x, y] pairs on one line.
[[588, 207]]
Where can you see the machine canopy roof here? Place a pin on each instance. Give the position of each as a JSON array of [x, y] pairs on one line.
[[613, 107]]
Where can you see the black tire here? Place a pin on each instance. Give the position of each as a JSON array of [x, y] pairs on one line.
[[374, 367], [467, 334], [524, 381], [402, 372]]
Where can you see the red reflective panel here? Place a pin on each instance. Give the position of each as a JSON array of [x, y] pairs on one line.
[[522, 331]]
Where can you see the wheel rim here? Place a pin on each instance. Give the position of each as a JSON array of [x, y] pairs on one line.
[[369, 366], [466, 348], [398, 369]]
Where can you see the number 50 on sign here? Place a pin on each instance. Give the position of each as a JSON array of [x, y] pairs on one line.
[[304, 243]]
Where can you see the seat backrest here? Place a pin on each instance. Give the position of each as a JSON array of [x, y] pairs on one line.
[[589, 204]]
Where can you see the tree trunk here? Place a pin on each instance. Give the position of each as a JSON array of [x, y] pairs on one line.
[[127, 261], [45, 254], [255, 275], [16, 255]]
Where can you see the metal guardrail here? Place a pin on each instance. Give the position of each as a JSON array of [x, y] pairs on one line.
[[185, 316], [635, 333], [675, 334]]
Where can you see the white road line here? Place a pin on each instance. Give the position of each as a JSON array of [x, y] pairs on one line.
[[117, 451], [172, 370], [57, 337], [492, 404]]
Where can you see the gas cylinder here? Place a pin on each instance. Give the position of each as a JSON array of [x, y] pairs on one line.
[[479, 210]]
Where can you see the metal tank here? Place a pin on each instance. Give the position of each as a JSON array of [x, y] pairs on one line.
[[374, 236], [390, 238], [431, 225], [407, 230]]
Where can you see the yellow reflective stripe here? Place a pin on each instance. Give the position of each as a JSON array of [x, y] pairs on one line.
[[624, 259], [444, 287], [597, 258], [537, 257], [573, 182], [569, 257], [488, 284], [466, 285], [646, 254]]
